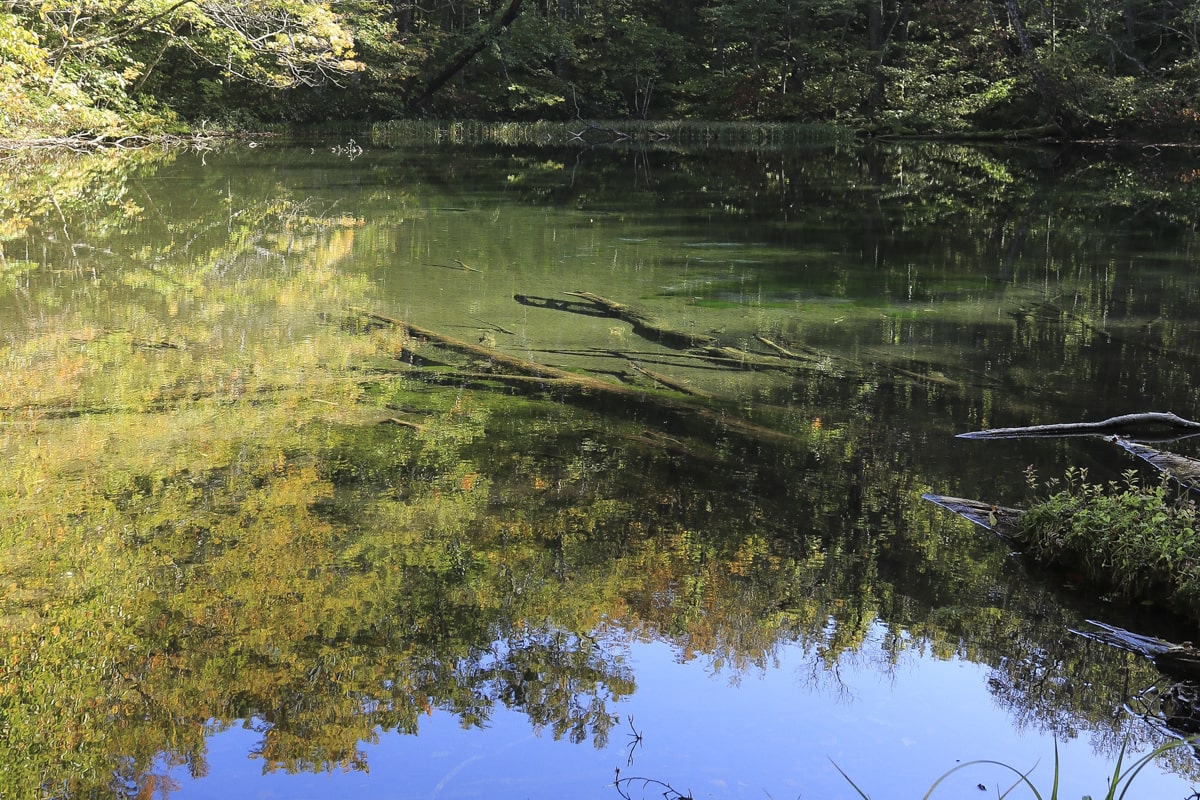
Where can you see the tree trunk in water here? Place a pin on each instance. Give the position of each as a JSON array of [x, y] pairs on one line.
[[1150, 422]]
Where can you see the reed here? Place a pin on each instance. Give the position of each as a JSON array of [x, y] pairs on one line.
[[1117, 788]]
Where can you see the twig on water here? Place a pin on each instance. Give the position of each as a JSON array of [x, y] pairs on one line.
[[669, 792], [635, 741]]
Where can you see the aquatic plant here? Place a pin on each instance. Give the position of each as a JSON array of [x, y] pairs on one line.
[[1118, 784], [1139, 539]]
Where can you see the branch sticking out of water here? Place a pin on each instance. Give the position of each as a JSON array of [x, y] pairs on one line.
[[1150, 423], [668, 791]]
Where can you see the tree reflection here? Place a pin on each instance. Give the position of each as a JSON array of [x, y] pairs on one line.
[[216, 531]]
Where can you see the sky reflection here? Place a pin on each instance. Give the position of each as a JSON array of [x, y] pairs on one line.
[[775, 732]]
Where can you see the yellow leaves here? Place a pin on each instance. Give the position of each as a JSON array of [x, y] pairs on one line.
[[131, 210], [13, 227]]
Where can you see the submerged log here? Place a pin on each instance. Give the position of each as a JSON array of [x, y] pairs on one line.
[[531, 376], [670, 383], [467, 348], [1127, 424], [643, 325]]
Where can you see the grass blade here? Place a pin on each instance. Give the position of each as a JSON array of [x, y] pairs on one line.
[[861, 793]]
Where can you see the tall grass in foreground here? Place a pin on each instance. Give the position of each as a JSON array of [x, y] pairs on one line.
[[1118, 784], [683, 133]]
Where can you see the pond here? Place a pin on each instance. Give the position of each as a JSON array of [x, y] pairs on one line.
[[336, 469]]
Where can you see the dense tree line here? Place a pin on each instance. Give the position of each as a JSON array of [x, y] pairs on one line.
[[1087, 67]]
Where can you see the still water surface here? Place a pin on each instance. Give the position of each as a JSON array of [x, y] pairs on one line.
[[260, 543]]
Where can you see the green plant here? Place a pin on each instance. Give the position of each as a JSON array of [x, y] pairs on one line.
[[1139, 541], [1117, 788]]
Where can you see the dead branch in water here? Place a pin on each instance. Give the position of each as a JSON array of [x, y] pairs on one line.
[[670, 383], [1000, 520], [643, 326], [519, 374], [783, 351], [1184, 470], [1126, 424]]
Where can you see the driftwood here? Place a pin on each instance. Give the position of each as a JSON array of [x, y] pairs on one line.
[[1181, 661], [1126, 424], [1175, 707], [1000, 520], [1184, 470]]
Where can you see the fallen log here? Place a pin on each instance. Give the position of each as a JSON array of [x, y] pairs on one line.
[[1180, 661], [643, 326], [670, 383], [1000, 520], [1126, 424], [1184, 470], [1175, 707], [531, 376], [1139, 555]]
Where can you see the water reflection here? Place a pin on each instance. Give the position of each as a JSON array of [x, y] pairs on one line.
[[236, 516]]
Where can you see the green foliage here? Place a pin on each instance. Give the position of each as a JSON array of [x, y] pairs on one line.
[[86, 65], [1141, 540], [1103, 68]]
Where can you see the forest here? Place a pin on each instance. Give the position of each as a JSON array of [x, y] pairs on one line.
[[1069, 69]]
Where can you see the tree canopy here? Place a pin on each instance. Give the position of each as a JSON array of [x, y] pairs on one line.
[[1080, 68]]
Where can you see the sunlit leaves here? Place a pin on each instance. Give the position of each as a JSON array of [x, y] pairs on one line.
[[71, 64]]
